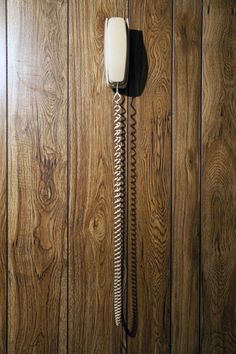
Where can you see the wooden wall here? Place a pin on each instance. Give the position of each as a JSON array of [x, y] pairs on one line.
[[3, 181], [56, 141]]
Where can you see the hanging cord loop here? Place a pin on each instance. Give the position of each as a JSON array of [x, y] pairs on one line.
[[119, 202]]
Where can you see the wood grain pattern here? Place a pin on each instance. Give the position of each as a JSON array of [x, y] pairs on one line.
[[186, 176], [91, 318], [60, 168], [3, 175], [37, 176], [219, 178], [153, 117]]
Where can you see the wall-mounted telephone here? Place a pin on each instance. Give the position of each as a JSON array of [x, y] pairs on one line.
[[116, 51], [116, 72]]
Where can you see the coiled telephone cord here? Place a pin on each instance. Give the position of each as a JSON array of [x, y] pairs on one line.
[[119, 202]]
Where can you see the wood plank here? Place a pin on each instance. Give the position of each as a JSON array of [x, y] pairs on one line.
[[186, 176], [3, 174], [37, 70], [219, 178], [153, 183], [91, 318]]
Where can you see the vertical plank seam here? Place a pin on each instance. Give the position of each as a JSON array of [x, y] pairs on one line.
[[7, 199], [171, 169], [200, 184], [68, 167]]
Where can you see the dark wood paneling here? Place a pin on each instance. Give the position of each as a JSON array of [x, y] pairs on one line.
[[186, 176], [219, 178], [37, 176], [91, 318], [3, 174], [39, 196], [153, 118]]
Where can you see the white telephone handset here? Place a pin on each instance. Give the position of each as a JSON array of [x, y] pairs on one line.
[[116, 51]]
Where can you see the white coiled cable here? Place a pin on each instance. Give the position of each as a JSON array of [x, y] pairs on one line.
[[119, 202]]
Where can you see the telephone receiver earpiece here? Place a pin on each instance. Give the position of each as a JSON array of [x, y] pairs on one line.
[[116, 51]]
